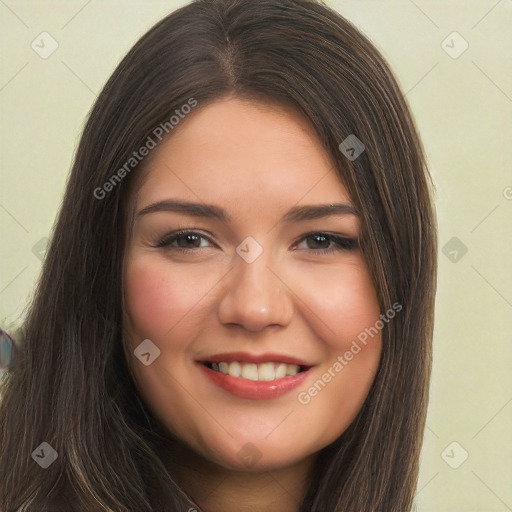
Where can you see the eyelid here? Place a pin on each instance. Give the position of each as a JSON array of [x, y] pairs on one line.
[[342, 242], [166, 240]]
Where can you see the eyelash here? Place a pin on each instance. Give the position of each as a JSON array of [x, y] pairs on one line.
[[342, 243]]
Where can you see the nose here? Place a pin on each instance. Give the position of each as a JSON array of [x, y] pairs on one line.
[[255, 297]]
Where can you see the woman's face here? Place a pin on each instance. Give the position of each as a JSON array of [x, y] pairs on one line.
[[265, 282]]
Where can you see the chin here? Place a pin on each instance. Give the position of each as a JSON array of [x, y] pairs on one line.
[[255, 455]]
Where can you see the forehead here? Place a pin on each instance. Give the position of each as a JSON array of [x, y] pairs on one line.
[[243, 154]]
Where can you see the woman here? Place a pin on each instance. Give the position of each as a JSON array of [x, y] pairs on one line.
[[235, 311]]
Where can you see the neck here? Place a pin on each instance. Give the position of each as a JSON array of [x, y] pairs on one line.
[[218, 489]]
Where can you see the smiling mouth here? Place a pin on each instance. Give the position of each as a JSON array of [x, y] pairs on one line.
[[263, 372]]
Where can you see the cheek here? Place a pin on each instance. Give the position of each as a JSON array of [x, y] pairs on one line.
[[155, 297], [341, 310], [360, 353], [343, 302]]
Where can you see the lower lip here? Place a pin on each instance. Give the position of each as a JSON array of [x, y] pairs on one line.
[[255, 390]]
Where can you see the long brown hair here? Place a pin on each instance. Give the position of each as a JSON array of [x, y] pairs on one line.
[[71, 387]]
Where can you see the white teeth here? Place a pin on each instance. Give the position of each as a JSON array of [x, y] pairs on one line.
[[281, 371], [250, 371], [266, 371], [257, 372], [292, 369], [235, 370]]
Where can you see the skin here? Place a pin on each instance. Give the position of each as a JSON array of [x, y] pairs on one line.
[[256, 161]]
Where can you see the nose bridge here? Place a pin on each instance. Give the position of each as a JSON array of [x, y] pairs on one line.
[[254, 297], [255, 279]]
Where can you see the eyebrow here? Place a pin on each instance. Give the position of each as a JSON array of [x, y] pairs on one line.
[[295, 214]]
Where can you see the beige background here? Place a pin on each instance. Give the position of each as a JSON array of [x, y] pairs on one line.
[[463, 110]]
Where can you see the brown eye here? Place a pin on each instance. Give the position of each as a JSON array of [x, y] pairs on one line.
[[324, 243], [189, 240], [319, 241], [183, 240]]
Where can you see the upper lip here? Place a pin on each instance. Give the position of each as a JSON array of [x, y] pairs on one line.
[[244, 357]]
